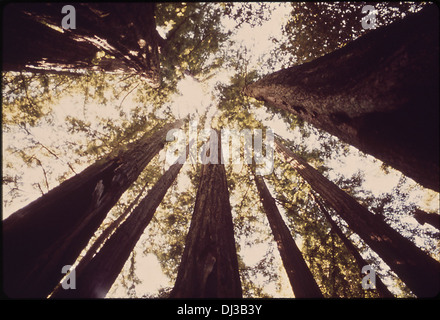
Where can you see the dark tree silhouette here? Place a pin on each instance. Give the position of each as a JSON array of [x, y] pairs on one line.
[[379, 93], [124, 32], [418, 270], [39, 239]]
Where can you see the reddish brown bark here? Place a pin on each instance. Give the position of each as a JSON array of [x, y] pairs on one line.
[[209, 265], [95, 276], [39, 239], [418, 270], [301, 279], [380, 286], [124, 31], [378, 93]]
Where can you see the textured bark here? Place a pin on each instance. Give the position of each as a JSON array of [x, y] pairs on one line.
[[424, 217], [301, 279], [101, 239], [126, 32], [39, 239], [95, 277], [379, 93], [209, 265], [418, 270], [380, 286]]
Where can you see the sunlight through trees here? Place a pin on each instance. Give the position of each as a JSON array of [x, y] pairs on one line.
[[353, 180]]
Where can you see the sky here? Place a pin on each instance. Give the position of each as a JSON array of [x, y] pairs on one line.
[[194, 96]]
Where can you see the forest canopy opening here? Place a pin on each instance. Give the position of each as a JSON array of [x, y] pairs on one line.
[[287, 118]]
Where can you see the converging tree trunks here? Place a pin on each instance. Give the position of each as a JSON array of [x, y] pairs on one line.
[[416, 268], [301, 279], [378, 93], [117, 37], [39, 239], [152, 150]]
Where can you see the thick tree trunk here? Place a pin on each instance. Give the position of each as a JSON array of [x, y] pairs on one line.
[[379, 93], [126, 32], [39, 239], [209, 265], [380, 286], [424, 217], [301, 279], [418, 270], [94, 277], [102, 238]]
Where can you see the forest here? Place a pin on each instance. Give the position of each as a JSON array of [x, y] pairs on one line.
[[220, 150]]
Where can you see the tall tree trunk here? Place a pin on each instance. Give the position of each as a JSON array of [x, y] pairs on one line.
[[301, 279], [418, 270], [379, 93], [209, 265], [380, 286], [39, 239], [423, 217], [125, 32], [102, 238], [94, 277]]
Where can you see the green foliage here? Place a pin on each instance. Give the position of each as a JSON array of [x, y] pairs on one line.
[[330, 262], [251, 229], [195, 35], [250, 13], [318, 28], [172, 223], [28, 97], [109, 111]]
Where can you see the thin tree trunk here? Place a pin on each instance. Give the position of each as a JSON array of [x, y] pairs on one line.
[[301, 279], [418, 270], [209, 265], [423, 217], [39, 239], [125, 32], [380, 286], [94, 277], [379, 93]]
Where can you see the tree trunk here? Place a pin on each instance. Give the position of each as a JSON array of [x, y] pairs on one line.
[[102, 238], [380, 286], [379, 93], [301, 279], [418, 270], [95, 277], [423, 217], [39, 239], [209, 265], [125, 32]]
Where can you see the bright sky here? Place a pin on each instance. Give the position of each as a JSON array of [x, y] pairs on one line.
[[196, 97]]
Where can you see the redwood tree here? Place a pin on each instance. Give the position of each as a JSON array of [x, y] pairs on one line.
[[125, 32], [301, 279], [380, 286], [50, 232], [209, 265], [378, 93], [418, 270], [94, 277]]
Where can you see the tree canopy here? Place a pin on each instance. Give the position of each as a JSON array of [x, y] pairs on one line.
[[54, 125]]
